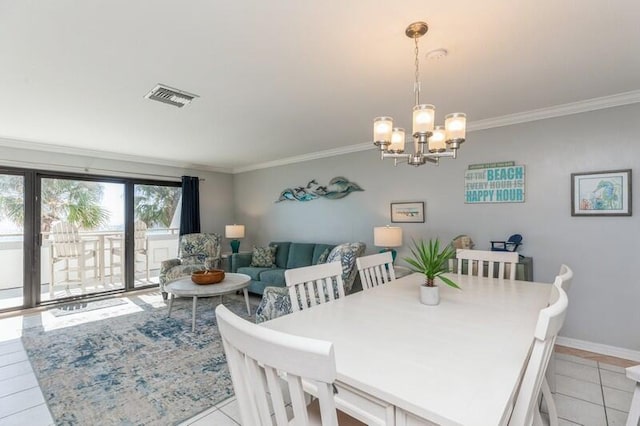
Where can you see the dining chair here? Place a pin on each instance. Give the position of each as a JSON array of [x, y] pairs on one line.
[[140, 247], [313, 285], [633, 418], [263, 361], [68, 246], [563, 280], [525, 410], [476, 259], [375, 269]]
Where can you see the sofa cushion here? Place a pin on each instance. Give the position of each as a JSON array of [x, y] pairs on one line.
[[320, 253], [282, 253], [264, 257], [252, 271], [273, 277], [300, 254]]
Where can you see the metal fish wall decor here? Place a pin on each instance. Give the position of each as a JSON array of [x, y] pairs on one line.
[[338, 187]]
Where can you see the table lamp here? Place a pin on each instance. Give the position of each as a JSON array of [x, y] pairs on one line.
[[387, 237], [234, 232]]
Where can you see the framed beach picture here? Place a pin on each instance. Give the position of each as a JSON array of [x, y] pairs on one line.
[[407, 212], [605, 193]]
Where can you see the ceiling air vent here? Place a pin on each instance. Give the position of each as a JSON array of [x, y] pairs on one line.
[[171, 96]]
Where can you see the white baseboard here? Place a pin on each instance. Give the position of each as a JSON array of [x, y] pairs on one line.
[[599, 348]]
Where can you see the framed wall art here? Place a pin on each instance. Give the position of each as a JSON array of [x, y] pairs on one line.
[[606, 193], [407, 212]]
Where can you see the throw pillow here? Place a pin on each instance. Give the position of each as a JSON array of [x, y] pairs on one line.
[[323, 256], [264, 257]]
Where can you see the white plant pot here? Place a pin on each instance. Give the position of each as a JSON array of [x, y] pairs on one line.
[[429, 295]]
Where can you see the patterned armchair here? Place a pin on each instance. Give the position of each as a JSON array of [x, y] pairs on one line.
[[195, 252], [276, 301]]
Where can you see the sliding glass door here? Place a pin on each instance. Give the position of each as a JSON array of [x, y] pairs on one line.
[[156, 225], [82, 226], [12, 241], [65, 236]]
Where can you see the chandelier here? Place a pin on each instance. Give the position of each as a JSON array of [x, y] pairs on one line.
[[430, 142]]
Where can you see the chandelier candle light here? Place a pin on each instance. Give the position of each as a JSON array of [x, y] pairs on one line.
[[430, 142], [235, 232]]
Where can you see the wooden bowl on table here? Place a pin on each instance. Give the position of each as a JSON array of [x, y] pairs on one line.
[[212, 276]]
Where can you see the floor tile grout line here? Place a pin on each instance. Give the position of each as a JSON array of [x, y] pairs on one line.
[[21, 390], [580, 399], [604, 401], [25, 409], [13, 363], [13, 377], [12, 352]]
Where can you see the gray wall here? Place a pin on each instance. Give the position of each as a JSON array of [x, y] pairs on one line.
[[601, 250], [216, 190]]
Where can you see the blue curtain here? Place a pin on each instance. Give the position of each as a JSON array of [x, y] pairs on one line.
[[190, 215]]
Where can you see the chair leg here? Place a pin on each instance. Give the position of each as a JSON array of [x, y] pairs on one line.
[[52, 280], [551, 404], [550, 374], [81, 270], [633, 419], [111, 265]]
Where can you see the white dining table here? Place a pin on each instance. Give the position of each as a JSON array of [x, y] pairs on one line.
[[403, 363]]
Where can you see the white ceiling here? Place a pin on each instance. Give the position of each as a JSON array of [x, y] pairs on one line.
[[285, 78]]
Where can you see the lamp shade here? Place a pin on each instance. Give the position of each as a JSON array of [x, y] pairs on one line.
[[387, 236], [234, 231]]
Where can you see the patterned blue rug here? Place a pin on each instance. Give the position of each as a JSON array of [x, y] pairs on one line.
[[140, 368]]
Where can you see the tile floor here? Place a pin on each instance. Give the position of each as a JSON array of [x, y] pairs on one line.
[[591, 389]]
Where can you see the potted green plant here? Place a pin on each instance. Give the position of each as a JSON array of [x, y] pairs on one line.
[[428, 260]]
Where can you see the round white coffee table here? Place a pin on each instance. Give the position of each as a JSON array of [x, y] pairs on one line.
[[184, 287]]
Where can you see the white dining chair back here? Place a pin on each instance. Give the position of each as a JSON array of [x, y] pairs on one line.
[[506, 262], [566, 276], [313, 285], [258, 357], [633, 418], [550, 320], [66, 246], [140, 244], [375, 269], [65, 240]]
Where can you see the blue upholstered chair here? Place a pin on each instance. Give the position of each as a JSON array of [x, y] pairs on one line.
[[195, 253], [511, 244], [275, 300]]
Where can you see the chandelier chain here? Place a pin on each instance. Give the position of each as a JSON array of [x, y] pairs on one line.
[[416, 86]]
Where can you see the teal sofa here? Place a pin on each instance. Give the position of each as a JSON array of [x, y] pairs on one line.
[[288, 256]]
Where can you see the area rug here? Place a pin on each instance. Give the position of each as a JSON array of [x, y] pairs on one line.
[[141, 368]]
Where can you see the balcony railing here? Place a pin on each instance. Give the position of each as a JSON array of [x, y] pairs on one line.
[[161, 244]]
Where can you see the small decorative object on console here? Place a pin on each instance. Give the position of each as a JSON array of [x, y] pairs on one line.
[[213, 276], [511, 244]]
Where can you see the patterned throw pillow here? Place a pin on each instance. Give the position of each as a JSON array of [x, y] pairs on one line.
[[264, 257], [323, 256]]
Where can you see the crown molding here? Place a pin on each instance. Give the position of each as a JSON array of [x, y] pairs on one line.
[[587, 105], [305, 157], [105, 155]]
